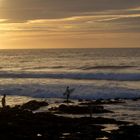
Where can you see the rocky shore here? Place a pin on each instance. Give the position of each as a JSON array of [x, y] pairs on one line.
[[20, 122]]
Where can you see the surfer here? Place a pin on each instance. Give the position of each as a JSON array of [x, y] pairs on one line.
[[67, 93]]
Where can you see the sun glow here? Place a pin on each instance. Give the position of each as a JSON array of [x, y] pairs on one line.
[[104, 28]]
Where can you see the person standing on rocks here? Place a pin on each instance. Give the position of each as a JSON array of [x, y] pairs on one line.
[[68, 93], [3, 101]]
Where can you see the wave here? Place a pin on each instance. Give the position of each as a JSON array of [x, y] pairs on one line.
[[82, 76], [39, 68], [57, 90], [107, 67], [80, 68]]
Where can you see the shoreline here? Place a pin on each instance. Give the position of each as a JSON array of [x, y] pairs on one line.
[[21, 122], [124, 109]]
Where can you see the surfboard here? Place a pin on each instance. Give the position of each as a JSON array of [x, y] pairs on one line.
[[71, 90]]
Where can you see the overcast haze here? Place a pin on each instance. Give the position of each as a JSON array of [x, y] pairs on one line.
[[69, 23]]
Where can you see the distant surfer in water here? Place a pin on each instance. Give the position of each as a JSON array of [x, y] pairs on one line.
[[3, 101], [68, 92]]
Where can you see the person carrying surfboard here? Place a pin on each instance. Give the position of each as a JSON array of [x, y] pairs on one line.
[[67, 93]]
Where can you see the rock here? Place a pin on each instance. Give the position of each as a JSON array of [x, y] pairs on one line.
[[73, 109], [16, 123], [101, 102], [136, 99], [69, 101], [34, 105], [127, 132]]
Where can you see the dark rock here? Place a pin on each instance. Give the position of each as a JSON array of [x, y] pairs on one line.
[[65, 101], [136, 99], [80, 100], [102, 102], [17, 123], [71, 109], [126, 132], [34, 105]]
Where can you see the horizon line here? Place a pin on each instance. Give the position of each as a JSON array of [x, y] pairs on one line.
[[69, 48]]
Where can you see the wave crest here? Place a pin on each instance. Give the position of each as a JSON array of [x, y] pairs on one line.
[[82, 76]]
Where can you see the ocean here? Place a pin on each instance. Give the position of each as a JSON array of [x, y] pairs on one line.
[[93, 73]]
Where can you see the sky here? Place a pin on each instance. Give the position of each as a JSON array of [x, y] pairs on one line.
[[69, 24]]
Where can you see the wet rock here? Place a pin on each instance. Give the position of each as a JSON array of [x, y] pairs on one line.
[[127, 132], [69, 101], [17, 123], [34, 105], [73, 109], [136, 99]]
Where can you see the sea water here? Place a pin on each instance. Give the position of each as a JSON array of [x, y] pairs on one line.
[[44, 74], [94, 73]]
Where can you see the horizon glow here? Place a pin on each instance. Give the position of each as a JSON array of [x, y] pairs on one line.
[[69, 24]]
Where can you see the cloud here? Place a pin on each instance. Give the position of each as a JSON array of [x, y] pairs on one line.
[[70, 15], [70, 22], [22, 10], [91, 23]]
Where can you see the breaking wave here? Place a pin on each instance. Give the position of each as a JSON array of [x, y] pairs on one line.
[[81, 92], [82, 76]]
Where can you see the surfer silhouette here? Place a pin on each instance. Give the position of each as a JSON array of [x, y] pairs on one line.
[[3, 101], [67, 93]]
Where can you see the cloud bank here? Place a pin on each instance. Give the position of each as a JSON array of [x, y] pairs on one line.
[[70, 20]]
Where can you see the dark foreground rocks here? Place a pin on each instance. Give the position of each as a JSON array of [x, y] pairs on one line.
[[22, 124], [33, 105], [128, 132], [75, 109]]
